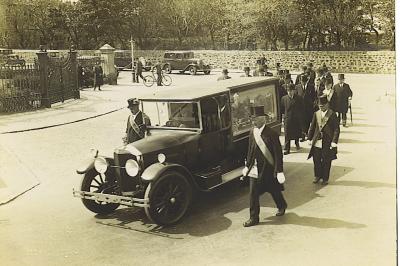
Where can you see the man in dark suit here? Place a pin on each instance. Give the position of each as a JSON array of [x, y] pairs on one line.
[[307, 92], [224, 75], [293, 111], [343, 95], [323, 137], [138, 70], [330, 94], [246, 72], [264, 166], [137, 123], [303, 73], [311, 72]]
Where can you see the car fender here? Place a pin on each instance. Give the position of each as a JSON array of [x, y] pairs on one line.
[[85, 166], [155, 171], [190, 65]]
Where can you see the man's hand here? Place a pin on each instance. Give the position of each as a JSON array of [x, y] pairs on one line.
[[333, 145], [309, 142], [244, 172], [281, 178]]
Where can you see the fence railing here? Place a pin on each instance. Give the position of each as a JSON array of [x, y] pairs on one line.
[[19, 88]]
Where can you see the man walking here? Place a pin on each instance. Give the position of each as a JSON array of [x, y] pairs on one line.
[[307, 93], [98, 76], [224, 75], [264, 166], [159, 74], [293, 112], [323, 137], [343, 95], [137, 122], [138, 70]]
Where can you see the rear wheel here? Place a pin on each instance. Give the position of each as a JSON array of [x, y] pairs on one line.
[[148, 80], [166, 80], [207, 72], [169, 198], [95, 182], [192, 70]]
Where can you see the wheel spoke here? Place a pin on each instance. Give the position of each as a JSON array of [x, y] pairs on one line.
[[101, 178], [95, 180]]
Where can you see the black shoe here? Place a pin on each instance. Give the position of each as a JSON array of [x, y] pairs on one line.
[[286, 152], [251, 222], [316, 180], [325, 182], [280, 212]]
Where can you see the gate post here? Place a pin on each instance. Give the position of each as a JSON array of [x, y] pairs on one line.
[[43, 61], [74, 68], [107, 53]]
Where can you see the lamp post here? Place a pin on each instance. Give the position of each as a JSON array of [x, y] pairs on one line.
[[132, 58]]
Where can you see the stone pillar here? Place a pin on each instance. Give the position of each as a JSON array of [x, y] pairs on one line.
[[43, 61], [107, 54]]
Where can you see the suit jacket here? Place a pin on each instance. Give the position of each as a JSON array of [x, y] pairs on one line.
[[342, 97], [142, 120], [293, 108], [330, 133], [267, 173], [308, 95]]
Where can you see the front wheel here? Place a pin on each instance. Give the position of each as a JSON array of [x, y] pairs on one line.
[[192, 70], [95, 182], [169, 198], [166, 80], [207, 72], [148, 81]]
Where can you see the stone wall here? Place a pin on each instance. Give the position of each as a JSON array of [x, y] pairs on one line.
[[337, 61]]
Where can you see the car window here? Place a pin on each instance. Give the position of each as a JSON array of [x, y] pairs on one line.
[[241, 102], [223, 104], [209, 115], [179, 56]]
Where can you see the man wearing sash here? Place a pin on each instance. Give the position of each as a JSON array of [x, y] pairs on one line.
[[264, 166], [137, 122], [323, 137]]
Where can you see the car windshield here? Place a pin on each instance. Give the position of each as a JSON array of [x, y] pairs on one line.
[[168, 114]]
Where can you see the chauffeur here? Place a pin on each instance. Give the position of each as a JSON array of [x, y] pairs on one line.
[[323, 136], [264, 166], [136, 124]]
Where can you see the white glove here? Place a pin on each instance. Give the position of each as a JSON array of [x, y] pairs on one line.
[[244, 172], [309, 142], [281, 178], [333, 145]]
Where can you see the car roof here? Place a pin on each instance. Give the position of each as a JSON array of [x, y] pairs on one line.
[[203, 89], [178, 52]]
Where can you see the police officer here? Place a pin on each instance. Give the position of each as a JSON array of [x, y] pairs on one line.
[[137, 123]]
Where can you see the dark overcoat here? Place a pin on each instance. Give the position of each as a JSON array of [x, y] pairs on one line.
[[266, 181], [142, 121], [293, 109], [330, 133], [342, 97], [309, 96]]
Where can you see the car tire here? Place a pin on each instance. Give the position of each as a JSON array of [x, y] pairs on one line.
[[167, 69], [207, 72], [192, 70], [95, 182], [169, 198]]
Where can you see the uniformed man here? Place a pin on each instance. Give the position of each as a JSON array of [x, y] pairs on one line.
[[293, 112], [264, 166], [323, 137], [308, 94], [343, 95], [137, 123], [246, 72], [224, 75]]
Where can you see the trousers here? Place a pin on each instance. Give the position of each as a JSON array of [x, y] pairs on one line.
[[322, 166]]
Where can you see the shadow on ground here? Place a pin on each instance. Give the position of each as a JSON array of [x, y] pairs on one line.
[[207, 215]]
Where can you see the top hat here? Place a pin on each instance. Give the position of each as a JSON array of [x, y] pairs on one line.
[[225, 71], [288, 76], [304, 68], [246, 68], [281, 72], [286, 71], [133, 102], [323, 99], [340, 76], [257, 111]]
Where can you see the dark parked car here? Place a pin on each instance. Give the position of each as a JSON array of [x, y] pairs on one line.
[[123, 61], [14, 60], [184, 61], [197, 141]]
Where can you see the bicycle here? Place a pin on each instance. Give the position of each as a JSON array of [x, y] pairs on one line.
[[149, 80]]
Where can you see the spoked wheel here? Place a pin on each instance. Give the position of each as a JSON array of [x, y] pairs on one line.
[[148, 81], [167, 69], [95, 182], [192, 70], [169, 198], [166, 80]]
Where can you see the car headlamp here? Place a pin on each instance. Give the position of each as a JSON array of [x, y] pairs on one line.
[[101, 165], [161, 158], [132, 167]]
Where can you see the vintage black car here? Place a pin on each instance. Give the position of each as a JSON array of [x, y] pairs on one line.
[[123, 61], [198, 141], [184, 61], [14, 60]]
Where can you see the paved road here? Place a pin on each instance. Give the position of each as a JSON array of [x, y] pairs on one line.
[[351, 221]]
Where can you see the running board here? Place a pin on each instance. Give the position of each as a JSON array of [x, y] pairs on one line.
[[236, 173]]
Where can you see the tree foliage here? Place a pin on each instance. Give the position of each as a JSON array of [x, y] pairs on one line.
[[206, 24]]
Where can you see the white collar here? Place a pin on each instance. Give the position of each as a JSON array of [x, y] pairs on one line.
[[324, 113]]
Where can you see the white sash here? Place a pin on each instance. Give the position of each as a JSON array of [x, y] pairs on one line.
[[134, 125], [264, 149]]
